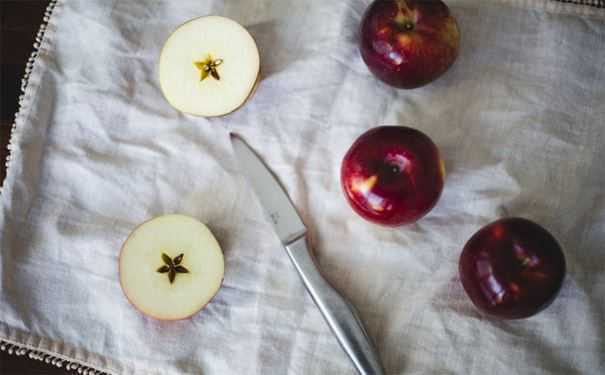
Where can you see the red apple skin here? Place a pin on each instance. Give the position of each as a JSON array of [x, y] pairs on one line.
[[512, 268], [408, 44], [392, 175]]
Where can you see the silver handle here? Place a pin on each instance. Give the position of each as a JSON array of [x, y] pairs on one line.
[[337, 311]]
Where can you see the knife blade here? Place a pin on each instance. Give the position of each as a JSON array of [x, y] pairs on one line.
[[339, 314], [273, 198]]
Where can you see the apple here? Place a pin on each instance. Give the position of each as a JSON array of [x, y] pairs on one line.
[[408, 44], [512, 268], [392, 175], [171, 267], [209, 66]]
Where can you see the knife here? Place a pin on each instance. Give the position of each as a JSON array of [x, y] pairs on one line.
[[340, 315]]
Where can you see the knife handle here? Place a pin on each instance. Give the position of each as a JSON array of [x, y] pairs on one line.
[[340, 315]]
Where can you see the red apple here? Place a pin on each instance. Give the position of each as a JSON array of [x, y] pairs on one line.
[[512, 268], [392, 175], [408, 44]]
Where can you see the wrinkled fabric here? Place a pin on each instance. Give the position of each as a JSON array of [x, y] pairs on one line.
[[519, 120]]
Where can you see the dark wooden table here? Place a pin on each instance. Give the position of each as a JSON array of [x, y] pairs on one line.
[[19, 23]]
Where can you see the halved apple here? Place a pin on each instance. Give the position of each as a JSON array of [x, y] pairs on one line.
[[171, 267], [209, 66]]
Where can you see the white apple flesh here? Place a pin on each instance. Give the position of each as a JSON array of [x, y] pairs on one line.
[[202, 44], [152, 291]]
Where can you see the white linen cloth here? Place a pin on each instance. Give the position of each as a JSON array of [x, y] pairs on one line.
[[97, 150]]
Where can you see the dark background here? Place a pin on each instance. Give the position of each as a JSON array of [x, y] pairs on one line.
[[19, 24]]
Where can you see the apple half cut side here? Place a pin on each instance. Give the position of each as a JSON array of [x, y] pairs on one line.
[[209, 66], [171, 267]]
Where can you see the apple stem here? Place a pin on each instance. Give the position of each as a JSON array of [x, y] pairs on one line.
[[404, 19], [403, 7]]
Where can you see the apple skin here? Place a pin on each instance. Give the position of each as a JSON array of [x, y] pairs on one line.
[[392, 175], [512, 268], [408, 44]]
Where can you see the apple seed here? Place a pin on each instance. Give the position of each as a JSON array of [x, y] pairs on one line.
[[172, 266]]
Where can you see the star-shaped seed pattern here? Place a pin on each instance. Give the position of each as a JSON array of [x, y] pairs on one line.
[[208, 67], [172, 266]]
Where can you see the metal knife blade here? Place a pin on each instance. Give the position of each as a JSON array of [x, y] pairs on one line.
[[276, 203], [340, 315]]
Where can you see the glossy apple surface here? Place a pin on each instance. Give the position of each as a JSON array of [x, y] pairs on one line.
[[392, 175], [408, 44], [512, 268]]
